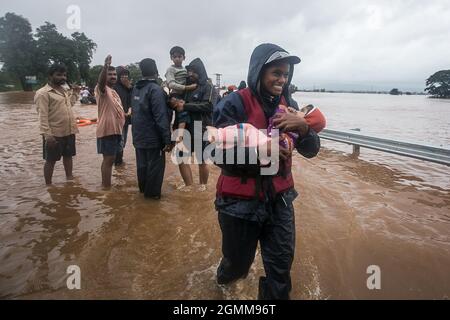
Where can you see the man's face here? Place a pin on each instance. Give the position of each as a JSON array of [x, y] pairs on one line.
[[275, 78], [193, 76], [58, 78], [124, 78], [177, 59], [111, 77]]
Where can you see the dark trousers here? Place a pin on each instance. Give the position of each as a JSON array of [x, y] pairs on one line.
[[277, 240], [150, 164]]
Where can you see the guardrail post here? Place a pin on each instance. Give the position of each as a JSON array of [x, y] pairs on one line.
[[356, 148]]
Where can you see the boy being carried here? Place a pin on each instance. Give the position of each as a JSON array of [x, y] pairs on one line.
[[176, 77]]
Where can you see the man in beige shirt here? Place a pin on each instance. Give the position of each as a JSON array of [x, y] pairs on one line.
[[57, 122], [111, 119]]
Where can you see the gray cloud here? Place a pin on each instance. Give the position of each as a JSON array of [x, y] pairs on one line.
[[360, 44]]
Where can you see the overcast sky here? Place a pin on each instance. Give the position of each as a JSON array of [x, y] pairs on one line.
[[343, 44]]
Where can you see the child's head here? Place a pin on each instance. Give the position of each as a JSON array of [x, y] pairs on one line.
[[307, 109], [314, 118], [177, 55]]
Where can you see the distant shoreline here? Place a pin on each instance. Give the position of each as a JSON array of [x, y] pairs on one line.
[[363, 91]]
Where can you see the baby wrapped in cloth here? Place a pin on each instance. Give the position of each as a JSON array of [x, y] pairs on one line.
[[246, 135]]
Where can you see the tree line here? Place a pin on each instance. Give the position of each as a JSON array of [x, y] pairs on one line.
[[25, 54]]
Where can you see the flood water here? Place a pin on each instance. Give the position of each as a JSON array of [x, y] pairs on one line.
[[379, 209]]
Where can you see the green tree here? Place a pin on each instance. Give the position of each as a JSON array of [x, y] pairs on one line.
[[136, 75], [8, 82], [438, 84], [94, 72], [54, 47], [18, 50], [75, 52], [24, 55], [135, 72], [84, 50]]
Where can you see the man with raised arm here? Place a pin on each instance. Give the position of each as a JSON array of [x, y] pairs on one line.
[[111, 119]]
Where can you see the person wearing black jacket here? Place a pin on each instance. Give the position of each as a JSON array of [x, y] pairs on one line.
[[253, 206], [151, 130], [242, 85], [123, 88], [199, 104]]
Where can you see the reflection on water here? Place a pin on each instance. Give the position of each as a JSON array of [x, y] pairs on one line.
[[376, 210]]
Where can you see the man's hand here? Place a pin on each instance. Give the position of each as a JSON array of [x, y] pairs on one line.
[[191, 87], [296, 112], [179, 139], [180, 105], [285, 153], [173, 102], [50, 141], [103, 75], [176, 104], [108, 60], [212, 133], [290, 122], [168, 148]]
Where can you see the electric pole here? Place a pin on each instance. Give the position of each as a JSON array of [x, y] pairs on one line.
[[218, 75]]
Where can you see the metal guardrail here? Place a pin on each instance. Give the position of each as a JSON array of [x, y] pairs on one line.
[[427, 153]]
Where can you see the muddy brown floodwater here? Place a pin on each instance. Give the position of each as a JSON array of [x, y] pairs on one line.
[[351, 214]]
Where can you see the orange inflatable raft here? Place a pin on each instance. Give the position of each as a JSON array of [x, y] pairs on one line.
[[81, 122]]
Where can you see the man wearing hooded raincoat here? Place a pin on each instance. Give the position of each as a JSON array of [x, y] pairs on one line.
[[199, 104]]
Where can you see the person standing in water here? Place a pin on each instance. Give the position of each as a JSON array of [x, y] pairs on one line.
[[111, 119], [151, 130], [57, 122], [255, 207], [124, 88], [199, 104]]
